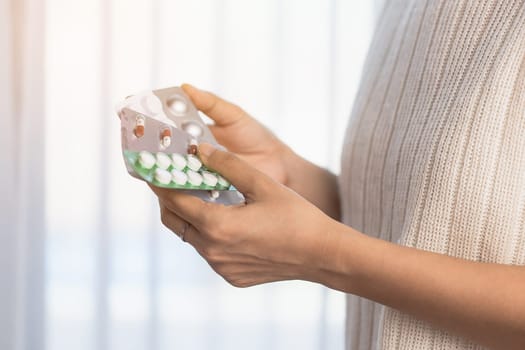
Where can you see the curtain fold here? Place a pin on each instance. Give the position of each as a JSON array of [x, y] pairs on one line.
[[22, 175], [8, 241]]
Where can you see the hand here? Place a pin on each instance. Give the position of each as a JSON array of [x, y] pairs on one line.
[[276, 235], [258, 147], [242, 134]]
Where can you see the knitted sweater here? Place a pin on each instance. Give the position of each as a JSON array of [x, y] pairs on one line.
[[434, 156]]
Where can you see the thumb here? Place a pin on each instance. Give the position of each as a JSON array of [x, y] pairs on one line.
[[220, 111], [250, 181]]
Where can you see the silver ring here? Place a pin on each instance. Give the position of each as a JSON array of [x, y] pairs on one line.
[[183, 231]]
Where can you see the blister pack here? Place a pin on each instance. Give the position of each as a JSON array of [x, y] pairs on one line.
[[160, 133]]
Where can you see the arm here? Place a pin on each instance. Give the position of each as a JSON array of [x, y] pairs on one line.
[[278, 235], [481, 301]]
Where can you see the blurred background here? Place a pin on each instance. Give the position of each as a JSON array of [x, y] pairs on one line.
[[84, 260]]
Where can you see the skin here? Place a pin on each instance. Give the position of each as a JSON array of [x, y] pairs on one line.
[[288, 230]]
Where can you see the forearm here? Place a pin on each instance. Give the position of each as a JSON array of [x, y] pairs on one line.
[[318, 185], [481, 301]]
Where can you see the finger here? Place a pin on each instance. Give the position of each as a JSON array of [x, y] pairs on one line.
[[172, 221], [188, 207], [244, 177], [220, 111], [180, 227]]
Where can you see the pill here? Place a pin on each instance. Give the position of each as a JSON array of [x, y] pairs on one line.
[[209, 179], [194, 178], [177, 105], [222, 181], [166, 141], [165, 137], [163, 161], [193, 162], [192, 128], [214, 194], [152, 104], [139, 126], [139, 131], [162, 176], [178, 161], [146, 160], [192, 148], [179, 177]]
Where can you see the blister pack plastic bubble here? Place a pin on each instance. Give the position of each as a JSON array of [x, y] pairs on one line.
[[160, 131]]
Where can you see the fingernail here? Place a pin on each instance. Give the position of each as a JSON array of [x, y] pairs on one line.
[[187, 86], [206, 149]]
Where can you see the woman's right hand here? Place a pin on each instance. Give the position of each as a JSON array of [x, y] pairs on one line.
[[243, 135], [259, 147]]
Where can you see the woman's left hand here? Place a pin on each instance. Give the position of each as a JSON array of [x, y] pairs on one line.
[[277, 235]]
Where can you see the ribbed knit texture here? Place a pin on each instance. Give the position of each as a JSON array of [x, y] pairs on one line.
[[434, 156]]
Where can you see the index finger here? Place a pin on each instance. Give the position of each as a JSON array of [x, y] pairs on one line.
[[220, 111]]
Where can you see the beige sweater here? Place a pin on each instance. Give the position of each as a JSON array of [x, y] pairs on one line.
[[434, 156]]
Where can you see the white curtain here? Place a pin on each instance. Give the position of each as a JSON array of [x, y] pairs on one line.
[[84, 261], [22, 179]]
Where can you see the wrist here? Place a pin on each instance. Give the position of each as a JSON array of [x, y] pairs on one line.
[[346, 259]]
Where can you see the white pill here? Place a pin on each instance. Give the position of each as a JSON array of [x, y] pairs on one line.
[[193, 162], [194, 178], [179, 107], [163, 161], [192, 128], [178, 161], [162, 176], [223, 181], [209, 178], [146, 160], [152, 104], [177, 104], [179, 177]]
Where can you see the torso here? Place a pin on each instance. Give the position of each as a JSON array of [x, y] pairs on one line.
[[434, 156]]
